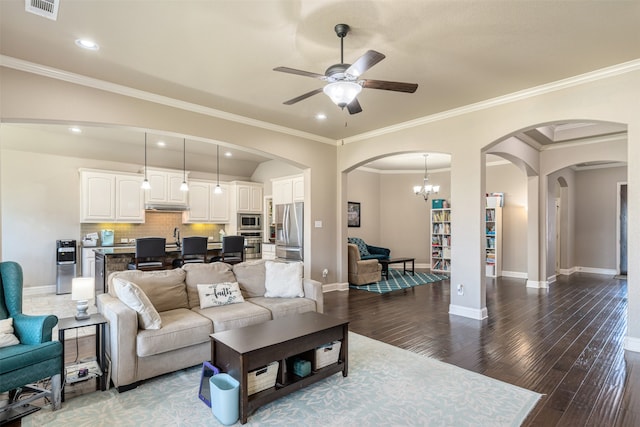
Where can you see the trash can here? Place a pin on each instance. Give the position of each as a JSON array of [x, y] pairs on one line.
[[225, 398]]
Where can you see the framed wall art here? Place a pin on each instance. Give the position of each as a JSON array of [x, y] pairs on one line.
[[353, 214]]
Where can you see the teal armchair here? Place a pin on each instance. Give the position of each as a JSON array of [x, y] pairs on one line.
[[36, 357], [369, 251]]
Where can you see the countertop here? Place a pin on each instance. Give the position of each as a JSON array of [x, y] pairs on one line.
[[127, 249]]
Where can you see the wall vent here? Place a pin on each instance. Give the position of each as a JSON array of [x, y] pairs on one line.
[[45, 8]]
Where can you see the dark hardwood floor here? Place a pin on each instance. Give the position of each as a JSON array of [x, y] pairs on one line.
[[565, 342]]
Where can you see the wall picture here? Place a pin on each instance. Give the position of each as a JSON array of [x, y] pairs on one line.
[[353, 214]]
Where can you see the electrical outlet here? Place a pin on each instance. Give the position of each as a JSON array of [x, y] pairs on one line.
[[460, 289], [325, 272]]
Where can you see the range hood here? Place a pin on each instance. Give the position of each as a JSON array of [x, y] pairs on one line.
[[166, 207]]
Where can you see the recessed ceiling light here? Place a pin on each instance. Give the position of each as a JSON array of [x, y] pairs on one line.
[[161, 143], [321, 116], [228, 154], [87, 44], [75, 129]]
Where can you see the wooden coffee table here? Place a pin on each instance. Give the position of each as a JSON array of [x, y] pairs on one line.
[[238, 351], [385, 266]]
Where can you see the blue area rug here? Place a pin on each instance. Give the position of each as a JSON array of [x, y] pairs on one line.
[[386, 386], [398, 281]]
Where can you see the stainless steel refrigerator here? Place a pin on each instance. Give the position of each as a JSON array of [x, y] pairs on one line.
[[289, 231]]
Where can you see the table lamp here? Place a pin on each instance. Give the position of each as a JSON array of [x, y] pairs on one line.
[[82, 290]]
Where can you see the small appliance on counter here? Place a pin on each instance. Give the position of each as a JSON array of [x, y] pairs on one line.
[[90, 239], [65, 265], [106, 236]]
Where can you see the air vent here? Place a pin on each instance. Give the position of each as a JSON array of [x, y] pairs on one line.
[[46, 8]]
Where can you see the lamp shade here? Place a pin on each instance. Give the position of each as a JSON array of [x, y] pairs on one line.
[[342, 93], [82, 288]]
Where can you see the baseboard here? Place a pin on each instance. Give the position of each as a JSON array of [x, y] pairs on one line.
[[552, 279], [607, 271], [514, 274], [330, 287], [472, 313], [38, 290], [537, 284], [632, 344], [568, 271]]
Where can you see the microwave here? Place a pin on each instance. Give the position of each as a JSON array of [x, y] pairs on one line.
[[249, 221]]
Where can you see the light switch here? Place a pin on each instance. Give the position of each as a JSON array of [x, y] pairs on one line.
[[318, 224]]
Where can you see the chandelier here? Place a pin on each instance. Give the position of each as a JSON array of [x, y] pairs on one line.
[[425, 189]]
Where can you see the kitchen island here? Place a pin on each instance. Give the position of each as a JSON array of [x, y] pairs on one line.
[[117, 258]]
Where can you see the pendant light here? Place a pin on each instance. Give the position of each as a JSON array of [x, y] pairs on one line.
[[184, 186], [426, 189], [218, 189], [145, 183]]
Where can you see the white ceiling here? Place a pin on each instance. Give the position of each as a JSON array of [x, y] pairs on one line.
[[221, 54]]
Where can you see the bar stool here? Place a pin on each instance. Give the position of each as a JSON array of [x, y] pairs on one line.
[[194, 250], [150, 254], [232, 250]]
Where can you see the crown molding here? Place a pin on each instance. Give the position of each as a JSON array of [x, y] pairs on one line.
[[603, 73], [54, 73]]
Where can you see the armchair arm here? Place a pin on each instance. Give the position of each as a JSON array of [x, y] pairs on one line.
[[313, 290], [34, 329], [367, 266], [376, 250], [121, 338]]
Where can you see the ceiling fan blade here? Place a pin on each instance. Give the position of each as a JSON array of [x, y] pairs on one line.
[[300, 72], [354, 106], [394, 86], [366, 61], [303, 96]]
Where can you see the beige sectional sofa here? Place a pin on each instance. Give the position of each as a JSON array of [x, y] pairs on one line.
[[182, 340]]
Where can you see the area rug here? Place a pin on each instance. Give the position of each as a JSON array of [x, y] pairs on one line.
[[398, 281], [386, 386]]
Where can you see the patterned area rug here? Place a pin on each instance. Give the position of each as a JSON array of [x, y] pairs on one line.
[[386, 386], [397, 281]]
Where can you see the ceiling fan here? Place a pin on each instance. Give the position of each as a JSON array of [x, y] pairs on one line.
[[343, 82]]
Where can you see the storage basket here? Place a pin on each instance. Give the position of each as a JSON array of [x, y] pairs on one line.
[[262, 378], [327, 354], [437, 203]]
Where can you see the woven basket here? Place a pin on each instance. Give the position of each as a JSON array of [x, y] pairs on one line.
[[327, 354], [262, 378]]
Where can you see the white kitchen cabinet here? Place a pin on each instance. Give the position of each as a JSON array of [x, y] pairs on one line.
[[165, 187], [268, 251], [248, 197], [287, 190], [204, 205], [88, 262], [110, 197]]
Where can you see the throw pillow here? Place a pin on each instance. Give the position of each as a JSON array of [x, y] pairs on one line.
[[283, 279], [219, 294], [6, 333], [250, 277], [362, 246], [216, 272], [135, 298]]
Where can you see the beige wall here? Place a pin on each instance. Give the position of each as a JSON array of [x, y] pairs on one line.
[[364, 188]]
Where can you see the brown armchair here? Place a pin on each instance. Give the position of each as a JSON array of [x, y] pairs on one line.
[[362, 271]]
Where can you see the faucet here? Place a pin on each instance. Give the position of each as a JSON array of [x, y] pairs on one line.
[[176, 235]]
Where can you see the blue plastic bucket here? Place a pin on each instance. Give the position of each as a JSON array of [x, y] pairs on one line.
[[225, 398]]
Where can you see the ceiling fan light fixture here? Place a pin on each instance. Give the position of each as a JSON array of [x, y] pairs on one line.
[[342, 93]]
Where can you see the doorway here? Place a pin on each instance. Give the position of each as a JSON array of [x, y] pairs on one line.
[[622, 229]]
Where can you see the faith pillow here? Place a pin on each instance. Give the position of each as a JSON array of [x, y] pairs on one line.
[[135, 298], [283, 279], [219, 294]]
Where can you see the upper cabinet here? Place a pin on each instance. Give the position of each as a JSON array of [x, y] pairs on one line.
[[165, 187], [110, 197], [287, 190], [205, 206], [248, 197]]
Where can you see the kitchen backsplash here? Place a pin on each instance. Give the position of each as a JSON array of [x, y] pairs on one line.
[[157, 224]]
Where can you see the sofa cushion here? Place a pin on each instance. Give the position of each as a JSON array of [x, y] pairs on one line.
[[283, 280], [197, 274], [215, 294], [165, 288], [134, 297], [251, 277], [362, 246], [281, 307], [180, 328], [234, 316]]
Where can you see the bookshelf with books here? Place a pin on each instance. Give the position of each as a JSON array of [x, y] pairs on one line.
[[441, 240], [493, 241]]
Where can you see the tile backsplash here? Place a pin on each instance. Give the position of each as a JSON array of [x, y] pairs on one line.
[[157, 224]]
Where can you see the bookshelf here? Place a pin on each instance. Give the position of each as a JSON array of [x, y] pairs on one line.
[[493, 241], [441, 240]]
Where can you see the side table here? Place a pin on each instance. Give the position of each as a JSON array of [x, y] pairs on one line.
[[100, 324]]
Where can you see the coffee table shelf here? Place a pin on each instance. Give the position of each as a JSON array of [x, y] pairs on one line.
[[241, 350]]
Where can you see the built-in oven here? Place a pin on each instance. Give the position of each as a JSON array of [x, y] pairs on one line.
[[249, 221], [253, 244]]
